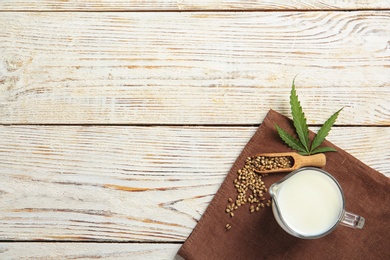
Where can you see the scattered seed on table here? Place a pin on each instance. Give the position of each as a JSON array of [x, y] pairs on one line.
[[249, 184]]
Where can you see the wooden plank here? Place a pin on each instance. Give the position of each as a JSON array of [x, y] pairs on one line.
[[121, 5], [192, 68], [48, 251], [75, 183]]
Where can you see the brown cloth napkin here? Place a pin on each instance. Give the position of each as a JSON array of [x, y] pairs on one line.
[[258, 236]]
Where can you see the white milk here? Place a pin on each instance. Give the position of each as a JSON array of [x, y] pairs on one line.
[[310, 202]]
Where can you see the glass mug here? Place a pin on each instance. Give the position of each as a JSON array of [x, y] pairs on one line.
[[309, 203]]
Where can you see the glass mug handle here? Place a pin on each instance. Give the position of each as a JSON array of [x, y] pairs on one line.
[[352, 220]]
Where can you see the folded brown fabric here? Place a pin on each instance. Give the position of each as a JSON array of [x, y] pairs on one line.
[[258, 236]]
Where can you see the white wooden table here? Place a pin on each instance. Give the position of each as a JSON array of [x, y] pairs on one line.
[[120, 119]]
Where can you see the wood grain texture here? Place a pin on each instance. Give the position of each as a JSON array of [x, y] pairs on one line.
[[75, 183], [134, 5], [48, 251], [192, 68]]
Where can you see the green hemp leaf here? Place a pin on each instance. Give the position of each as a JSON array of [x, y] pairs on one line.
[[302, 145]]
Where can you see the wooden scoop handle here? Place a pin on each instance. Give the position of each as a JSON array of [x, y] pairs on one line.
[[316, 160]]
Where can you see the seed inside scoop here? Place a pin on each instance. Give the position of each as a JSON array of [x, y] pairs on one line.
[[263, 163]]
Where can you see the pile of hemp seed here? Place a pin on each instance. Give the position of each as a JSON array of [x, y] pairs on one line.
[[250, 186]]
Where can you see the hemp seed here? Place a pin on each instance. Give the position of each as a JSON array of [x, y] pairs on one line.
[[228, 227], [249, 184]]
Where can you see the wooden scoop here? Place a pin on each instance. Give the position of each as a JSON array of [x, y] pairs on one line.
[[317, 160]]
